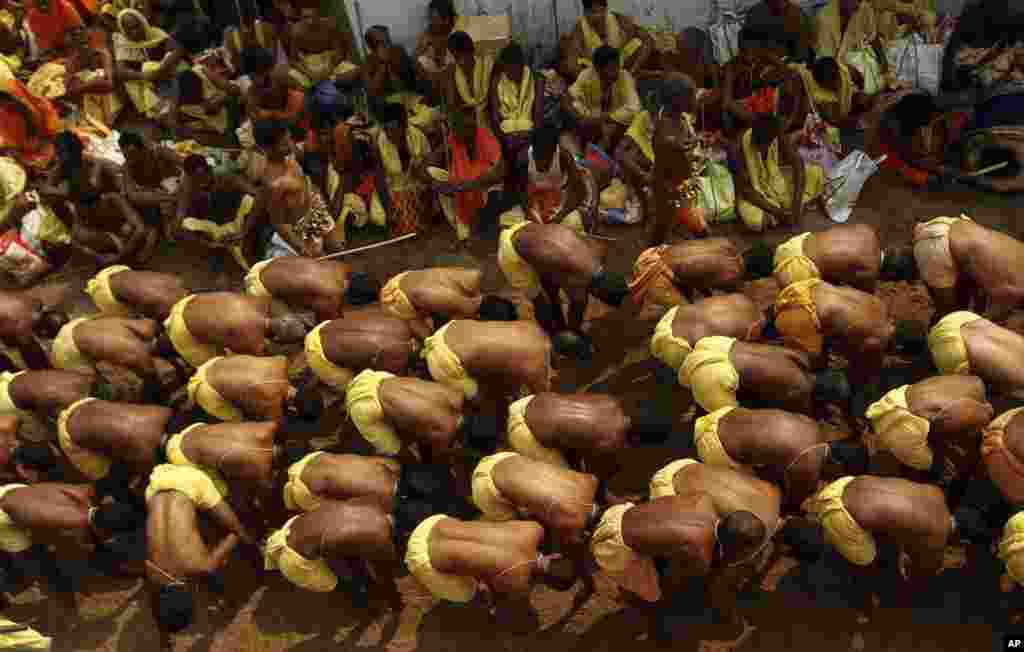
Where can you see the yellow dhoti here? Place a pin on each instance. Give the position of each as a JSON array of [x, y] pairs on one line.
[[710, 374], [446, 586], [630, 570], [522, 440], [949, 351], [13, 538], [176, 456], [663, 482], [841, 530], [310, 574], [193, 351], [900, 431], [297, 496], [334, 376], [667, 347], [7, 405], [98, 289], [1011, 545], [791, 265], [188, 480], [65, 352], [206, 396], [796, 317], [25, 639], [367, 413], [446, 367], [394, 300], [253, 283], [709, 444], [92, 465], [932, 254], [486, 495], [517, 271]]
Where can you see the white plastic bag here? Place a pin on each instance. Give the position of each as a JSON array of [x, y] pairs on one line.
[[725, 37], [845, 182], [917, 64]]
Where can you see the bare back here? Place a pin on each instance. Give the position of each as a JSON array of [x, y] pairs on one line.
[[342, 477], [847, 254], [257, 385], [773, 373], [731, 491], [234, 321], [586, 423], [767, 437], [307, 283], [175, 548], [989, 258], [900, 509], [369, 338], [356, 528], [851, 314], [241, 451], [995, 353], [557, 253], [125, 431], [450, 291], [731, 315], [507, 354], [705, 263], [422, 410], [679, 527], [149, 293], [48, 391], [498, 554], [560, 499]]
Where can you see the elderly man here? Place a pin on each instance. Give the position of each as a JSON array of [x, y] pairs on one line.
[[120, 291], [960, 260], [964, 343], [24, 317], [603, 101], [426, 298], [848, 254], [322, 286], [599, 27]]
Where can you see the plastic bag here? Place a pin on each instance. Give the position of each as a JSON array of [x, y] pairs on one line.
[[725, 36], [845, 182], [917, 64]]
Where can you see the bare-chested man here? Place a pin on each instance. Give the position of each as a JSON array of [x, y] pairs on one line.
[[811, 315], [848, 254], [120, 291], [323, 286], [177, 554], [26, 316], [791, 450], [45, 392], [368, 338], [679, 329], [962, 262], [204, 326], [963, 343], [554, 257]]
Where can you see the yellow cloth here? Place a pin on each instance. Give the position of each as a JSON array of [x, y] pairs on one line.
[[395, 301], [841, 530], [454, 588], [709, 444], [667, 347], [7, 405], [49, 81], [98, 289], [931, 252], [310, 574], [188, 480], [330, 374], [625, 101], [13, 538], [796, 317], [401, 179], [364, 408], [486, 496], [421, 115], [853, 46], [217, 122], [663, 482], [143, 93], [710, 373], [1011, 545], [900, 431], [824, 97], [253, 283], [476, 94], [445, 366], [515, 103], [23, 640], [774, 183], [297, 496], [101, 107], [92, 465], [592, 40], [188, 347], [65, 352], [219, 232], [791, 265], [318, 65], [204, 394], [522, 440], [632, 571], [517, 271], [949, 351], [12, 183], [175, 455]]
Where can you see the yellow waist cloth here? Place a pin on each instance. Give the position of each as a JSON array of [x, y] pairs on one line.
[[841, 530], [517, 271], [219, 232], [92, 465], [188, 347], [900, 431], [253, 283], [949, 351], [25, 639], [175, 455], [667, 347], [332, 375], [364, 408], [931, 252], [486, 495], [796, 317], [98, 289], [396, 301], [310, 574], [1011, 545], [297, 496], [709, 444], [445, 366], [201, 392], [65, 352], [632, 571], [13, 538], [454, 588], [522, 440], [191, 481], [515, 103], [791, 265], [710, 373], [663, 482], [7, 405]]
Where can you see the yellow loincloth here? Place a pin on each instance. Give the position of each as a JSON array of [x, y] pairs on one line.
[[709, 444], [841, 530], [796, 317], [663, 482], [92, 465], [522, 440], [900, 431], [632, 571], [7, 405], [25, 639], [931, 252], [394, 300], [486, 495], [791, 265], [710, 373], [193, 351], [364, 408], [993, 441], [454, 588], [175, 455], [949, 351], [330, 374], [188, 480], [1011, 545], [13, 538], [297, 496], [253, 283], [517, 271], [665, 346], [203, 393], [446, 367], [65, 352], [310, 574], [98, 289]]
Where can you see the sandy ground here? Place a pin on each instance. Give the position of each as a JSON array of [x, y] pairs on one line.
[[261, 612]]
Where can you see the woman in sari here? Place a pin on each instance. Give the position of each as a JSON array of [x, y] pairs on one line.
[[516, 100], [400, 191], [28, 125], [141, 50], [90, 83]]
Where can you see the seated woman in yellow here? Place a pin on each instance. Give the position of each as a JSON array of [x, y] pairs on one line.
[[390, 76], [835, 88], [516, 99], [603, 101], [90, 82], [469, 76], [847, 30], [772, 182], [200, 108], [598, 27], [400, 151], [319, 51]]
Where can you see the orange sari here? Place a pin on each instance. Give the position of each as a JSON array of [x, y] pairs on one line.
[[51, 26], [463, 169], [292, 111], [16, 135]]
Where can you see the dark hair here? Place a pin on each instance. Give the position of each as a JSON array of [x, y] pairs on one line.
[[461, 43], [35, 455], [650, 423], [295, 450], [832, 386], [512, 55], [766, 125], [174, 608], [740, 531], [102, 388], [850, 455], [574, 345], [759, 261], [909, 337], [308, 402], [131, 139], [195, 163], [605, 55], [911, 113], [266, 133], [257, 61], [69, 149], [825, 68], [769, 331], [609, 287], [589, 4], [376, 29], [545, 137], [190, 87], [805, 537], [118, 517], [193, 33], [899, 265], [495, 308], [314, 165], [561, 574], [444, 8], [389, 112], [676, 86], [362, 289], [481, 432], [50, 322]]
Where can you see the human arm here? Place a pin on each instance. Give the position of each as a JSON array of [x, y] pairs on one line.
[[132, 219], [799, 176], [169, 64], [217, 557], [30, 348], [729, 99], [641, 56], [224, 514]]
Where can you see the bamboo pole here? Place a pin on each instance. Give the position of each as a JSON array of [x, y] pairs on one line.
[[992, 168], [369, 246]]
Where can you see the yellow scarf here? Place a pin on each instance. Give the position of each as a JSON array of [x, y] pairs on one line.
[[591, 39], [832, 41], [822, 95], [217, 122], [641, 130], [477, 95], [516, 104], [400, 179], [625, 102], [765, 173]]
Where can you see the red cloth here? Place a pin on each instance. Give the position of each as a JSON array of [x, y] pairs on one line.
[[464, 169], [50, 27], [916, 176]]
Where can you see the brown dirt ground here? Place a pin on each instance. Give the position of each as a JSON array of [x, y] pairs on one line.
[[264, 613]]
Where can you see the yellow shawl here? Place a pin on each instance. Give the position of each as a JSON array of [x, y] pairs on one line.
[[592, 41], [765, 173], [515, 104], [217, 122], [400, 179], [641, 130], [586, 95], [477, 95], [822, 95], [832, 41]]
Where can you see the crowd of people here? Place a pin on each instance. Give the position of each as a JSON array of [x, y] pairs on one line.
[[134, 431]]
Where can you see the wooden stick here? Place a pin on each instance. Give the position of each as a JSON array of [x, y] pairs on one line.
[[601, 237], [369, 246], [991, 168]]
